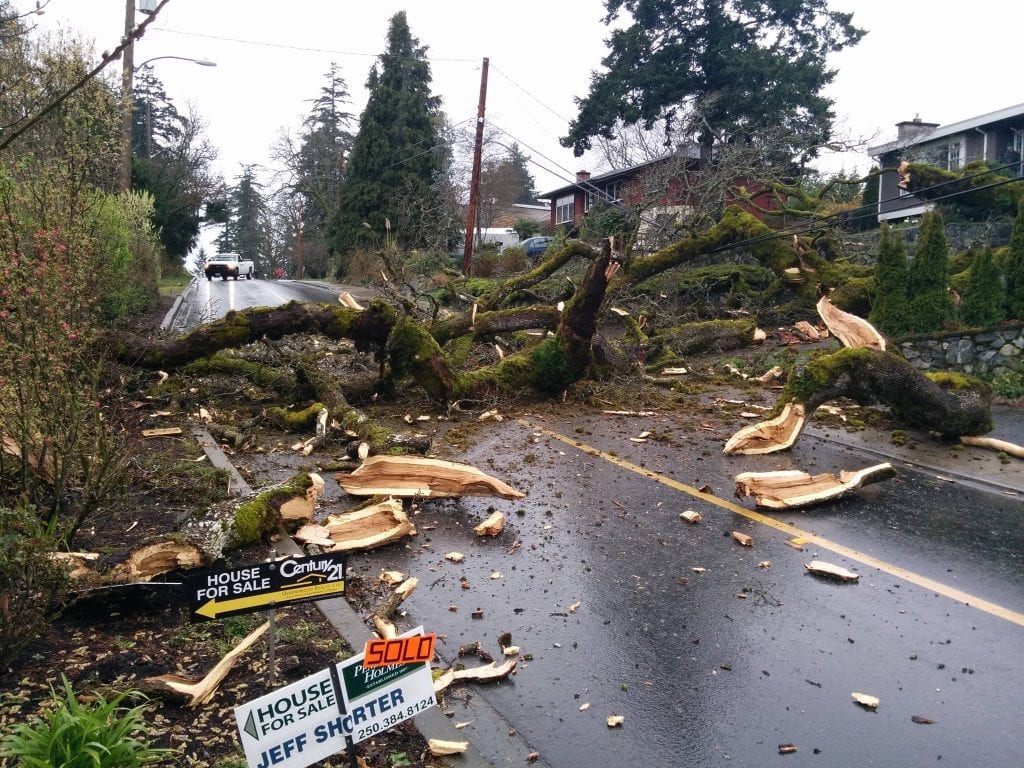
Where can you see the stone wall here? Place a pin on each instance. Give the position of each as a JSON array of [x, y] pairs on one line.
[[990, 351]]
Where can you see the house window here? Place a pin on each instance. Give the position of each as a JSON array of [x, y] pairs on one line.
[[565, 210], [1018, 148], [612, 191], [588, 202], [954, 155]]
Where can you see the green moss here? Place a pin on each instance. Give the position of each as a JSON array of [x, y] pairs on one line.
[[898, 437], [258, 517], [296, 421], [820, 371], [458, 349], [954, 380]]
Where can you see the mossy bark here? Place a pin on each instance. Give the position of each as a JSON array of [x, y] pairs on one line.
[[369, 329], [950, 404]]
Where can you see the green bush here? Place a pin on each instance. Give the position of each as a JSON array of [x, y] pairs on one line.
[[890, 307], [553, 371], [100, 734], [32, 584], [485, 261], [984, 298], [513, 259], [931, 307], [1015, 269]]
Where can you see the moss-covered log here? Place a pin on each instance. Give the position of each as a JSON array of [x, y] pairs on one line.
[[947, 403], [369, 329], [557, 259], [487, 324]]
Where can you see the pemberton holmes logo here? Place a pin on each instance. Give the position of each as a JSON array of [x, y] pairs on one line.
[[359, 681]]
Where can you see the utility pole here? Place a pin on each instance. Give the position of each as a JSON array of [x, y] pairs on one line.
[[474, 183], [127, 76]]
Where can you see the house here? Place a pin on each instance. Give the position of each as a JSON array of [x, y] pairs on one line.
[[663, 186], [996, 138]]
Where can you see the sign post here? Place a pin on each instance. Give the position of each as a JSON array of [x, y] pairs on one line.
[[332, 710], [218, 593]]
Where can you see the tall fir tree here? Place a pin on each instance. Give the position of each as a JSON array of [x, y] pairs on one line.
[[928, 278], [245, 231], [325, 139], [866, 217], [1015, 268], [391, 177], [890, 309], [984, 299], [749, 66]]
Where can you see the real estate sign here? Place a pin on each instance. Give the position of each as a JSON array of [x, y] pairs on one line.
[[229, 591], [302, 723]]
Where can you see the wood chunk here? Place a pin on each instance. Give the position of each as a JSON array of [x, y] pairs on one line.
[[347, 300], [742, 538], [492, 526], [821, 568], [162, 432], [769, 436], [314, 534], [691, 516], [852, 331], [615, 721], [441, 747], [791, 488], [866, 700], [808, 331], [417, 476], [482, 674], [369, 527]]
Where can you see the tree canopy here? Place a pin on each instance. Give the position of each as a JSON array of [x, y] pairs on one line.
[[746, 64]]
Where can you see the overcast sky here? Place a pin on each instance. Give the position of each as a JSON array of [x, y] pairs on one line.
[[920, 57]]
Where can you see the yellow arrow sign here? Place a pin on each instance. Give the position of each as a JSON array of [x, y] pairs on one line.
[[211, 609]]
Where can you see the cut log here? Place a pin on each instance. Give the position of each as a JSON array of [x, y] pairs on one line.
[[769, 436], [150, 560], [383, 615], [851, 330], [830, 571], [302, 508], [196, 692], [787, 489], [369, 527], [1010, 449], [482, 674], [415, 476], [808, 331]]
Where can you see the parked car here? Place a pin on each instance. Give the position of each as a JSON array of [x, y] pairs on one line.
[[535, 246]]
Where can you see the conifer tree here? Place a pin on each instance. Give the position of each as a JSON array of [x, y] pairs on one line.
[[1015, 268], [984, 299], [890, 308], [392, 173], [928, 278], [866, 217]]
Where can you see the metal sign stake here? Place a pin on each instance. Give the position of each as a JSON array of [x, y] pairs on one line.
[[339, 695], [272, 646]]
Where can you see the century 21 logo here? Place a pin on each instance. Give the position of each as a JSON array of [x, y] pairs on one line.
[[401, 650]]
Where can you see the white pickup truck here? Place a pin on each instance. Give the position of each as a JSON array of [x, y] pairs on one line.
[[229, 265]]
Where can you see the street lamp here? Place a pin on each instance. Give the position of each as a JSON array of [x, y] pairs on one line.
[[126, 118], [200, 62]]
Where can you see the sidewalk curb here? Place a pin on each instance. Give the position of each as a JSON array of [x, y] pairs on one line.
[[178, 301], [505, 748]]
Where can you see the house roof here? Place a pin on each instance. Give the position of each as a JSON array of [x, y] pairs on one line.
[[687, 151], [951, 129]]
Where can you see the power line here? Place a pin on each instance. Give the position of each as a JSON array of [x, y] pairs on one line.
[[303, 48]]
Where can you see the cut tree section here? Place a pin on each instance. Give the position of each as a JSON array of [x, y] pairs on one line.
[[769, 436], [788, 489], [416, 476], [852, 331]]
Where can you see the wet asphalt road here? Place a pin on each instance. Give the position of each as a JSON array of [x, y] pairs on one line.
[[721, 666], [714, 653], [207, 300]]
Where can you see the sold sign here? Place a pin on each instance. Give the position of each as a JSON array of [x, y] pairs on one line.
[[401, 650]]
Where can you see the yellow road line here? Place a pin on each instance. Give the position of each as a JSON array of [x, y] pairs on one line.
[[793, 531]]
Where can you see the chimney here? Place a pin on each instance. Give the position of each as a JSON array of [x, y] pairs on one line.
[[582, 175], [913, 129]]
